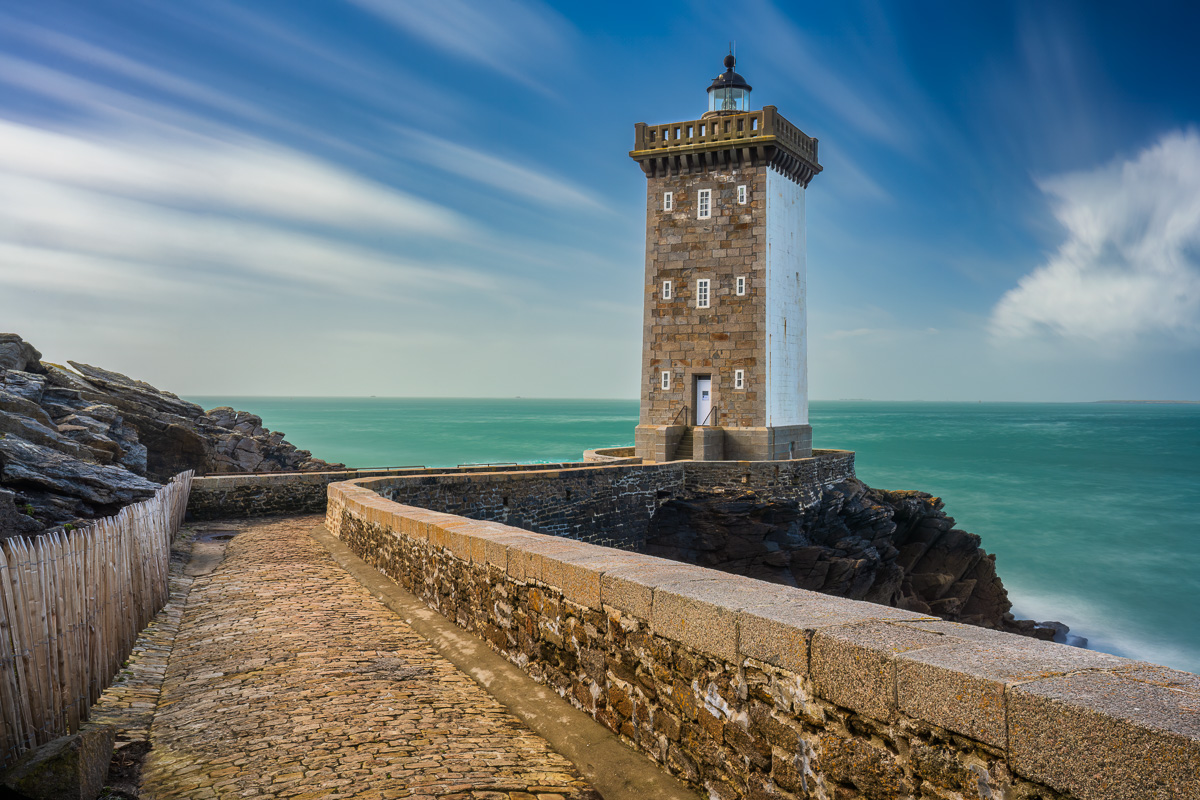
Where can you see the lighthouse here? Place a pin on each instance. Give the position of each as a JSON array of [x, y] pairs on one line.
[[724, 339]]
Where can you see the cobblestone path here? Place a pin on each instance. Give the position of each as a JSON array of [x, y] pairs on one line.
[[288, 679]]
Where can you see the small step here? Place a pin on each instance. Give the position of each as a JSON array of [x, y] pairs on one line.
[[685, 449]]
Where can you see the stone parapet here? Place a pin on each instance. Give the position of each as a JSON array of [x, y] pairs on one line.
[[657, 442], [749, 689], [610, 455], [272, 493], [752, 139], [709, 444], [607, 503], [768, 443]]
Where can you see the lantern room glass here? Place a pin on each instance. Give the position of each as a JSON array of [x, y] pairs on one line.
[[729, 98]]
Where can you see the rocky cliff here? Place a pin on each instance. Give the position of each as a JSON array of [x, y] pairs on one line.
[[896, 548], [83, 442]]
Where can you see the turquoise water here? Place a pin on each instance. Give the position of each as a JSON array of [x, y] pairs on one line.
[[1093, 511]]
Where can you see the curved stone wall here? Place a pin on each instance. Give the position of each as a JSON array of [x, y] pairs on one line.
[[749, 689], [268, 493], [609, 455]]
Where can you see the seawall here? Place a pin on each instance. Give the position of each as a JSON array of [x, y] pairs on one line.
[[750, 689], [607, 503]]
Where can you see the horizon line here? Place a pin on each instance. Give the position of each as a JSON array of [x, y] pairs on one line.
[[636, 400]]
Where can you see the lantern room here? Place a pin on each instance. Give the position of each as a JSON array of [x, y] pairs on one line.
[[729, 93]]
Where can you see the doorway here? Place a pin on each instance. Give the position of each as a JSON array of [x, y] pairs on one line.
[[703, 399]]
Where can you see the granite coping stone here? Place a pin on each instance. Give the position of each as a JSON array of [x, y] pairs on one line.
[[496, 548], [1176, 680], [554, 564], [962, 686], [1106, 735], [854, 665], [531, 563], [631, 589], [703, 613], [582, 574], [779, 633]]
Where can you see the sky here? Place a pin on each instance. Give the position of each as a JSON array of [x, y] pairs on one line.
[[380, 197]]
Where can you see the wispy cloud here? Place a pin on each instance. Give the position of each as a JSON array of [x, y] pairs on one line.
[[246, 175], [1130, 266], [862, 85], [38, 218], [499, 173], [507, 36]]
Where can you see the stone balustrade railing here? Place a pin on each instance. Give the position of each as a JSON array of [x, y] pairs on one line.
[[764, 124], [750, 689]]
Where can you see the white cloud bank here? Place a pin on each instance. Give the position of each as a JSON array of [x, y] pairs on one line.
[[1130, 267]]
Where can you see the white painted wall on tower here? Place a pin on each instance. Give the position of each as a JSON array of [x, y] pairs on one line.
[[786, 290]]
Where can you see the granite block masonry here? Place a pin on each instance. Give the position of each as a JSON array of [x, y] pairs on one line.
[[724, 325], [609, 502], [753, 690]]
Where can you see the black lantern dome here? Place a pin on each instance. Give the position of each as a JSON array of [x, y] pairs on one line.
[[729, 93]]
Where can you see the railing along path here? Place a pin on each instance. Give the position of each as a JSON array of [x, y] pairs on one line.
[[71, 606]]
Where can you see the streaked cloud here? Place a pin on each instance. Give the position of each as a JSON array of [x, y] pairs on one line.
[[247, 175], [1130, 266], [506, 36], [496, 172], [39, 217]]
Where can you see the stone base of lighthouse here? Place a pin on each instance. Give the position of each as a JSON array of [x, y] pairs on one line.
[[713, 443]]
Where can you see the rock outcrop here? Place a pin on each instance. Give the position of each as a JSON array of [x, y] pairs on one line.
[[895, 548], [84, 442]]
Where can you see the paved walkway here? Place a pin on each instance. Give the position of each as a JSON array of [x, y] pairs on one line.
[[288, 679]]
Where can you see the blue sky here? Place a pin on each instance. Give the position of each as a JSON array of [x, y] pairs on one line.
[[403, 198]]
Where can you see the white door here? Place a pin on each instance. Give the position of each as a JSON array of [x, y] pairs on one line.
[[703, 400]]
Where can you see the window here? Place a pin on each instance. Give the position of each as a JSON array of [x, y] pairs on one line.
[[666, 290], [702, 293], [666, 379], [704, 204], [739, 379], [668, 201], [742, 195], [741, 284]]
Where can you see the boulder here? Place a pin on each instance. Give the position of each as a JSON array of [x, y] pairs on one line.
[[13, 520], [26, 385], [77, 443], [32, 430], [16, 353], [106, 488], [69, 768]]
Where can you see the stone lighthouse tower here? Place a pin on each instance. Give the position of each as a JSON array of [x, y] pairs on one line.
[[724, 340]]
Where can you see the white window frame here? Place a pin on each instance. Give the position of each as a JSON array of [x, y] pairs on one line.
[[668, 201], [741, 285], [666, 290], [665, 380], [704, 204], [742, 193], [739, 379], [703, 292]]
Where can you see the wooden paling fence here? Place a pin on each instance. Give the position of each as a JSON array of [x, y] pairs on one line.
[[71, 607]]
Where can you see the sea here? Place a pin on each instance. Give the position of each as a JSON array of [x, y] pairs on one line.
[[1092, 509]]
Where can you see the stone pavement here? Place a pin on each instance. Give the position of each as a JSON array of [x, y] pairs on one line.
[[128, 703], [288, 679]]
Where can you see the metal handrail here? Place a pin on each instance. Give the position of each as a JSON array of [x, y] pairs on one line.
[[682, 410], [708, 416]]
